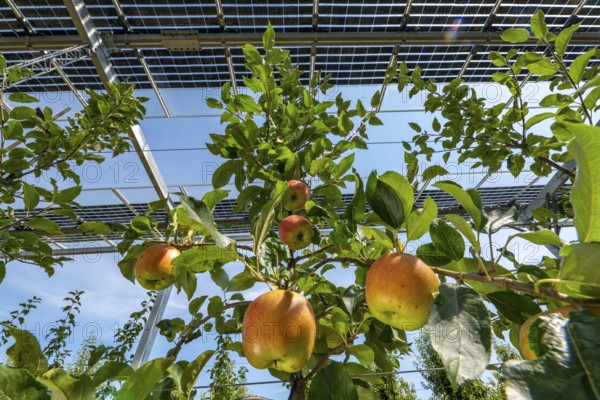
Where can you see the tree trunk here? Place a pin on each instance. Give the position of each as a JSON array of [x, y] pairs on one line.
[[298, 387]]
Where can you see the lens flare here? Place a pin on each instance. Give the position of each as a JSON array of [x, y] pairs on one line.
[[456, 24]]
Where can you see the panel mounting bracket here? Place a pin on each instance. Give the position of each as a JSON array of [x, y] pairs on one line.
[[181, 40]]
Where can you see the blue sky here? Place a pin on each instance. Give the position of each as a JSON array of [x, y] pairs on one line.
[[109, 298]]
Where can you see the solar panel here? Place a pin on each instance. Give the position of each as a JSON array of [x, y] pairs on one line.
[[236, 223], [349, 64]]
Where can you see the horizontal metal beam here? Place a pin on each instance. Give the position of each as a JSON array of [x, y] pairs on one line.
[[159, 41]]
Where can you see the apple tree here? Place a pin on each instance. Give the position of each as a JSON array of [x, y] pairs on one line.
[[289, 151]]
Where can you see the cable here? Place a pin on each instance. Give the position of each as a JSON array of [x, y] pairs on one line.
[[373, 374]]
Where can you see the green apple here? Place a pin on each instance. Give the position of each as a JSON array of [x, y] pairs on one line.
[[153, 269], [279, 331], [296, 196], [296, 232], [400, 289]]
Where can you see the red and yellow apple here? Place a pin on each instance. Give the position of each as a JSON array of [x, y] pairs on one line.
[[524, 340], [400, 289], [296, 232], [279, 331], [296, 195], [153, 269]]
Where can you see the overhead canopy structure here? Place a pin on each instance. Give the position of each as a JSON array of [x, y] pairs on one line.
[[176, 44], [169, 44]]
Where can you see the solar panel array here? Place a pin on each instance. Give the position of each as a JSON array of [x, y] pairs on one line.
[[349, 65], [237, 223]]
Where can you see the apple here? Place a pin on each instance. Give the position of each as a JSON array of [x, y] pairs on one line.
[[296, 196], [153, 269], [400, 289], [296, 232], [279, 331], [524, 339]]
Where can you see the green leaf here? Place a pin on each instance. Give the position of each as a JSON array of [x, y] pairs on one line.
[[66, 387], [246, 103], [26, 352], [188, 281], [377, 235], [22, 113], [465, 200], [402, 187], [363, 353], [433, 172], [376, 99], [420, 220], [17, 384], [463, 227], [460, 331], [415, 127], [13, 130], [580, 264], [543, 237], [204, 258], [103, 107], [357, 207], [556, 99], [536, 119], [264, 223], [67, 196], [22, 98], [332, 383], [140, 384], [563, 38], [214, 103], [515, 164], [242, 281], [538, 25], [252, 55], [579, 65], [514, 307], [31, 198], [432, 256], [142, 223], [219, 276], [212, 198], [45, 225], [568, 370], [344, 165], [360, 109], [447, 240], [96, 228], [268, 38], [199, 212], [192, 371], [585, 195], [111, 371], [543, 67], [384, 201], [515, 35], [127, 264], [592, 98], [225, 171], [345, 124]]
